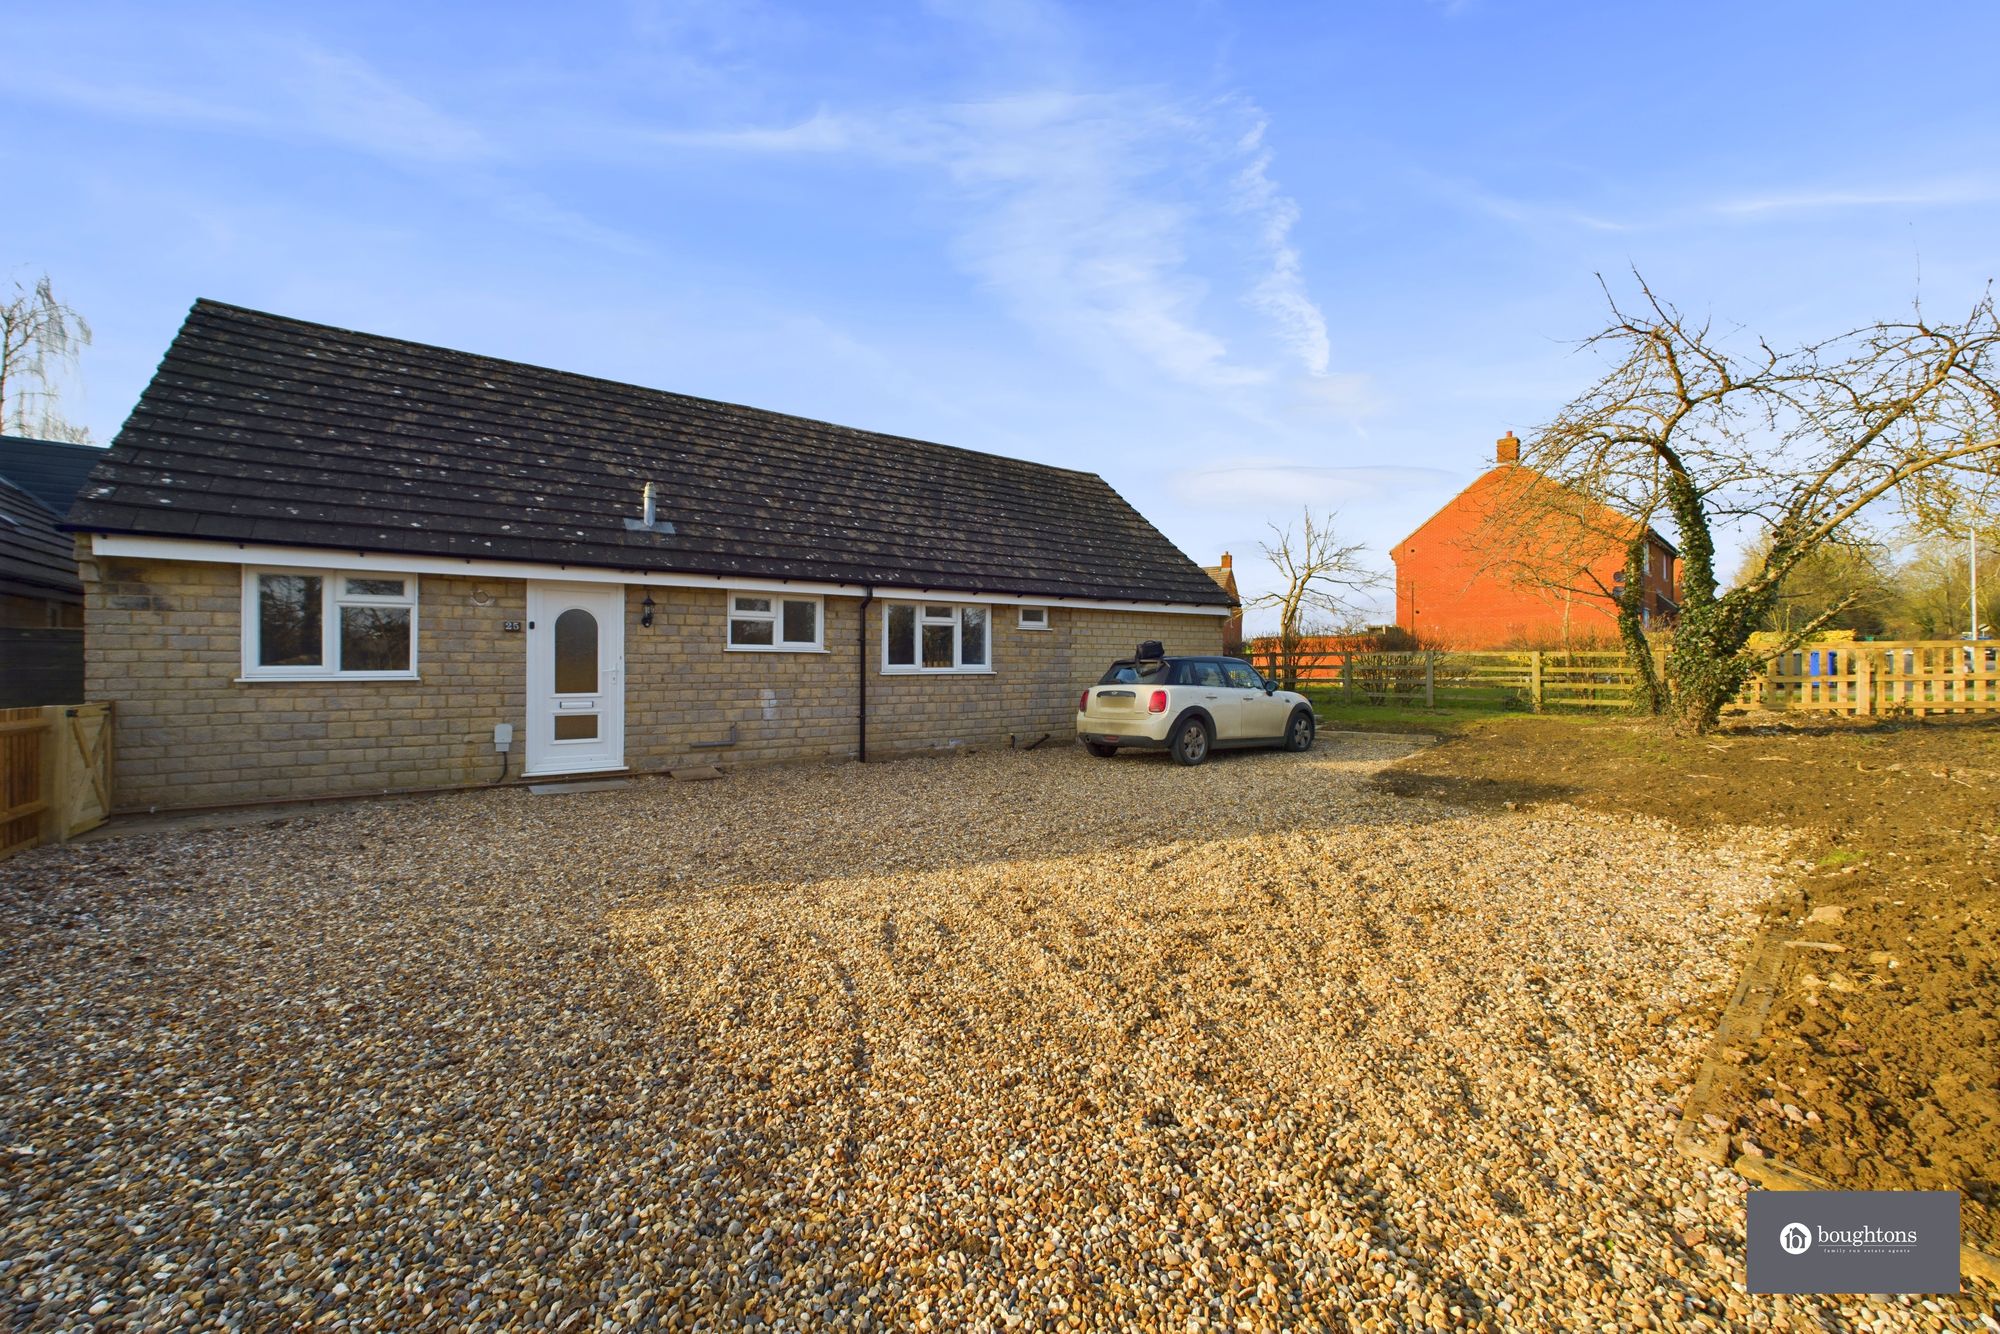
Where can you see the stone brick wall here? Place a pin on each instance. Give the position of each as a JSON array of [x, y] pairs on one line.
[[683, 686], [1037, 675], [163, 645], [165, 648]]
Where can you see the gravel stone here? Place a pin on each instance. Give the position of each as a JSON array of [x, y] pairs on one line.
[[993, 1041]]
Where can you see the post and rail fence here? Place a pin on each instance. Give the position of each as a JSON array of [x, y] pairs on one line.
[[55, 773], [1915, 678]]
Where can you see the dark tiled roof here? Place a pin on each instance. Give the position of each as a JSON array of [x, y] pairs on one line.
[[35, 560], [263, 429], [49, 470]]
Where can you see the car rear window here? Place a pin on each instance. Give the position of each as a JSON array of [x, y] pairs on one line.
[[1149, 673]]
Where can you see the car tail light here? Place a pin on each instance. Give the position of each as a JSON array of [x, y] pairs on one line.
[[1083, 702], [1158, 703]]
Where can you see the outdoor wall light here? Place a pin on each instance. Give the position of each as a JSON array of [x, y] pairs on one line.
[[646, 611]]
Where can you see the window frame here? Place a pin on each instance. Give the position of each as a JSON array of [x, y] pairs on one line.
[[1256, 677], [919, 620], [333, 596], [775, 617], [1022, 622]]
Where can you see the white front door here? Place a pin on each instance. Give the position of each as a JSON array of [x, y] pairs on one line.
[[576, 678]]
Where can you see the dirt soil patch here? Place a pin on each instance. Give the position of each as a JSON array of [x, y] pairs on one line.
[[1879, 1067]]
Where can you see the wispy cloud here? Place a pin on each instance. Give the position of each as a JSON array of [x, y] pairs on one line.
[[822, 132], [1541, 215], [281, 88], [290, 89], [1275, 484], [1938, 194], [1080, 213], [1525, 213], [1281, 293]]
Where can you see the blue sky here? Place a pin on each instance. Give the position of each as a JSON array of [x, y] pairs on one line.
[[1235, 258]]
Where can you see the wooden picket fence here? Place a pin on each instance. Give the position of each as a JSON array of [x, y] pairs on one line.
[[1536, 679], [1916, 677], [1862, 679], [55, 773]]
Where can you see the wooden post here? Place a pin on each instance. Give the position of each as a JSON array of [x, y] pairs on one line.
[[54, 817], [1535, 680], [1430, 679], [1864, 682], [1347, 676]]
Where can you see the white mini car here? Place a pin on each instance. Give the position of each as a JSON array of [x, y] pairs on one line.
[[1189, 707]]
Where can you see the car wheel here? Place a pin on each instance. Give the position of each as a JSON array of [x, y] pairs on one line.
[[1191, 742], [1299, 732], [1100, 749]]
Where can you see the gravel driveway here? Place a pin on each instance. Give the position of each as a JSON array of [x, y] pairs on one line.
[[993, 1041]]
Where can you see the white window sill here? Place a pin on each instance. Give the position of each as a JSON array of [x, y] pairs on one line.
[[937, 671], [1033, 629], [305, 677], [774, 648]]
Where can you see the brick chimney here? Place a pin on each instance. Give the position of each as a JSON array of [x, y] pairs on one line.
[[1507, 449], [1225, 560]]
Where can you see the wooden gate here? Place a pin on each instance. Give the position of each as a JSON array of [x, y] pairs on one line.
[[55, 773]]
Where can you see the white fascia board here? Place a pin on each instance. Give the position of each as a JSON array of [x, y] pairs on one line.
[[322, 558], [890, 594], [120, 545]]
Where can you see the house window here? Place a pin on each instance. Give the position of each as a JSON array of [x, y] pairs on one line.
[[768, 623], [313, 624], [937, 637], [1034, 618]]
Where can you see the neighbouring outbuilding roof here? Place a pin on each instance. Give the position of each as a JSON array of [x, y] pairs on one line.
[[36, 560], [262, 429], [52, 471]]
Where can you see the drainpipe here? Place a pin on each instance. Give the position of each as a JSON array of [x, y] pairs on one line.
[[861, 676]]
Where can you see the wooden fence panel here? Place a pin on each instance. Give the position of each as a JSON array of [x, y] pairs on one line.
[[1854, 679], [1863, 679], [23, 778], [55, 773]]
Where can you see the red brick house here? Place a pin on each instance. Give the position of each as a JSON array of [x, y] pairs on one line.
[[1480, 575]]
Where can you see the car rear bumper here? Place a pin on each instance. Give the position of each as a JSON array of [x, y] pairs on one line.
[[1121, 741]]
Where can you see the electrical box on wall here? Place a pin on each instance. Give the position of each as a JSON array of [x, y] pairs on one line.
[[503, 736]]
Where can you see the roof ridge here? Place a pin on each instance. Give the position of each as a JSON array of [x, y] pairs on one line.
[[206, 303]]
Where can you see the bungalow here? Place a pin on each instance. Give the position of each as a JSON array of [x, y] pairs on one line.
[[319, 562]]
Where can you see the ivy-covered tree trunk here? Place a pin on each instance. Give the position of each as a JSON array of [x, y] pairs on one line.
[[1708, 660], [1647, 695]]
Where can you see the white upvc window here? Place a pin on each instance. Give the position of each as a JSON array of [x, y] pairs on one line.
[[316, 625], [774, 623], [937, 637], [1034, 618]]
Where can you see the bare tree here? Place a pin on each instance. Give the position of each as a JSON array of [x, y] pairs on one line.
[[1964, 506], [39, 339], [1322, 583], [1804, 445], [1843, 585]]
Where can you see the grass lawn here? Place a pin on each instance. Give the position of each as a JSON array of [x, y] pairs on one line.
[[1336, 712]]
